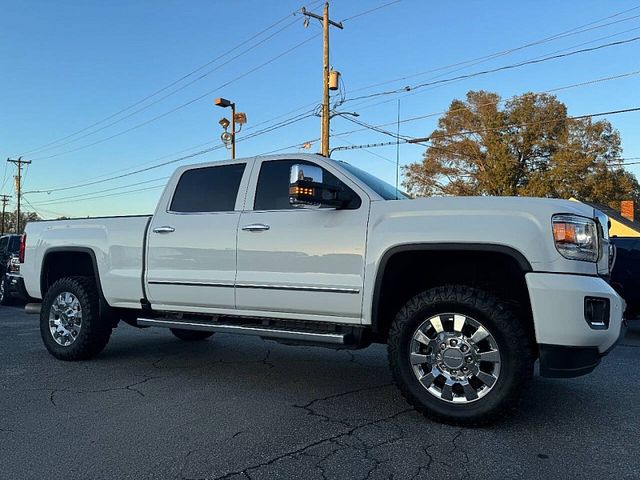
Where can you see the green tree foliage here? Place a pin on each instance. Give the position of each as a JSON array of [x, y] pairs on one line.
[[529, 147]]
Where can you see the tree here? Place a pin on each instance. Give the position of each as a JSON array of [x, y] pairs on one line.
[[530, 147], [25, 217]]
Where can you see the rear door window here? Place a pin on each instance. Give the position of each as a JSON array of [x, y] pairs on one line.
[[208, 189]]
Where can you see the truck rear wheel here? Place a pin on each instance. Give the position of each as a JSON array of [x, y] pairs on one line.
[[190, 335], [70, 324], [459, 355]]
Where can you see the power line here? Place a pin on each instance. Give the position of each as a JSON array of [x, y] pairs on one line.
[[370, 10], [469, 132], [182, 87], [109, 195], [175, 82], [434, 114], [199, 97], [576, 30], [466, 63], [102, 191], [34, 208], [218, 147], [202, 96], [494, 70], [370, 103], [175, 160], [273, 59], [496, 129]]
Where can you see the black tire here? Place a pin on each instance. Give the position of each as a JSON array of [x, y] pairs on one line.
[[94, 333], [5, 296], [508, 330], [190, 335]]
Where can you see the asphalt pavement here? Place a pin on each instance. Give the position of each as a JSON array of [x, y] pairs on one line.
[[152, 406]]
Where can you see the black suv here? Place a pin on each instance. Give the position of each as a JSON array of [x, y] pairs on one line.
[[11, 284]]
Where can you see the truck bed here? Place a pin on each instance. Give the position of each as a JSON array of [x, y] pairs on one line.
[[115, 243]]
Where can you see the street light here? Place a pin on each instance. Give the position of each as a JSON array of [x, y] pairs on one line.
[[240, 118]]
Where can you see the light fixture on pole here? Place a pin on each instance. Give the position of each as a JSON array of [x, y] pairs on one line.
[[229, 138]]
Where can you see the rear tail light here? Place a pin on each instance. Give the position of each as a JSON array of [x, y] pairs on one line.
[[23, 244]]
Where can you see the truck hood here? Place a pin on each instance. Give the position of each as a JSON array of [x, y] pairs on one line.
[[468, 205]]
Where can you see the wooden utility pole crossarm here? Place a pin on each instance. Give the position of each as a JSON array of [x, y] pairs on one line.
[[326, 22]]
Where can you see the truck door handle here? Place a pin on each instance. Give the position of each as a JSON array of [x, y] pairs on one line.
[[164, 229], [256, 227]]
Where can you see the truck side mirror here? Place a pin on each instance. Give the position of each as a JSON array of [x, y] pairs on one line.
[[306, 188]]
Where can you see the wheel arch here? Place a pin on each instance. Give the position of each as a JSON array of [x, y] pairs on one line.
[[55, 265], [487, 251]]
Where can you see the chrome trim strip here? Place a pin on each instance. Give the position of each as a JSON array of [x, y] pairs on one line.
[[191, 284], [337, 338], [352, 291], [300, 289]]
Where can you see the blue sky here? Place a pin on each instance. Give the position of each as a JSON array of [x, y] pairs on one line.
[[69, 64]]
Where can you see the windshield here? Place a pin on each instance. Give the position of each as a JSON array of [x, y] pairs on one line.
[[386, 191]]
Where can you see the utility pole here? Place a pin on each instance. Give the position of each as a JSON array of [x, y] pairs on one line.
[[19, 163], [326, 22], [4, 199]]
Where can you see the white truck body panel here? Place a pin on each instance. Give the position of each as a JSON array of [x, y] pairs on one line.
[[116, 243], [554, 299], [310, 261], [320, 264]]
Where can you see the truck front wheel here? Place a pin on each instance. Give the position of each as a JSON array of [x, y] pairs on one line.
[[70, 324], [459, 355]]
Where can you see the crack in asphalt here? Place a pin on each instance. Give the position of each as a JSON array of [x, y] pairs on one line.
[[310, 411], [130, 387], [450, 454], [185, 460], [319, 464], [424, 468], [266, 361], [315, 443]]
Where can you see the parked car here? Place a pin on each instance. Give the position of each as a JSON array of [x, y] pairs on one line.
[[466, 292], [11, 284], [625, 274]]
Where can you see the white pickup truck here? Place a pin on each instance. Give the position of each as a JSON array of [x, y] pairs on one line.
[[466, 292]]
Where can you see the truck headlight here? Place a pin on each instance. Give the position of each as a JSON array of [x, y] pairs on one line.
[[576, 237]]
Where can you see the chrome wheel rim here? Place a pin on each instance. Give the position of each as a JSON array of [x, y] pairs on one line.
[[65, 319], [2, 287], [455, 358]]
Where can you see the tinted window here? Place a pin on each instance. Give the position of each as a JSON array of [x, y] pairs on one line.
[[14, 244], [382, 188], [3, 243], [209, 189], [272, 192]]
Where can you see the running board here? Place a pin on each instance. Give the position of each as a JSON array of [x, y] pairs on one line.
[[275, 333]]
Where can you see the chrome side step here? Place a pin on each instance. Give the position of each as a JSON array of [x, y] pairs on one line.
[[265, 332]]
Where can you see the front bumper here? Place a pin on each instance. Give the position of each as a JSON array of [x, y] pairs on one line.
[[569, 346]]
